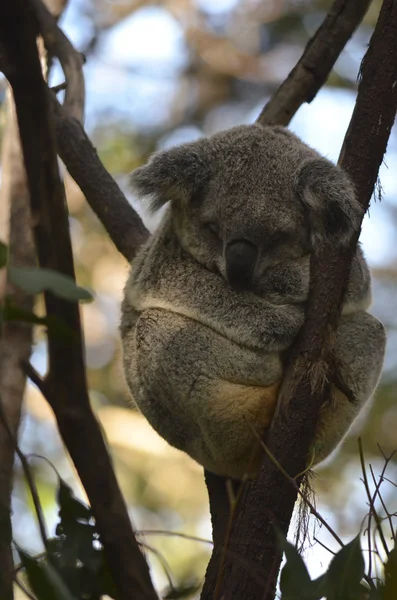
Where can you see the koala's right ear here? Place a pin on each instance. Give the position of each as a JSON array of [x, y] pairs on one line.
[[172, 175], [330, 201]]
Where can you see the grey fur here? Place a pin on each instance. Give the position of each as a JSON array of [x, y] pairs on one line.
[[217, 296]]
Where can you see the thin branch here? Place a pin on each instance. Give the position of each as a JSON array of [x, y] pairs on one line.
[[30, 480], [388, 514], [66, 378], [316, 63], [35, 378], [123, 224], [371, 500], [323, 545], [57, 44]]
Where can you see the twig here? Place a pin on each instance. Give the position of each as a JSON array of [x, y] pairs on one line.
[[373, 499], [292, 481], [57, 44], [372, 510], [388, 514], [323, 545], [66, 364], [319, 57], [34, 376], [30, 480], [123, 224]]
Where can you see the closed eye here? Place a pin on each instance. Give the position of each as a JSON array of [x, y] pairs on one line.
[[212, 227]]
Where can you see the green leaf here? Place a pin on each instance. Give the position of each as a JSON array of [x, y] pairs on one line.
[[55, 326], [45, 581], [3, 255], [345, 572], [390, 589], [70, 508], [35, 280], [294, 579]]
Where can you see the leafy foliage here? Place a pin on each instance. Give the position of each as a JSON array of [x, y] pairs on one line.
[[74, 565], [345, 577], [34, 280]]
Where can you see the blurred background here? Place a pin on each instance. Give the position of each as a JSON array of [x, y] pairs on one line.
[[157, 74]]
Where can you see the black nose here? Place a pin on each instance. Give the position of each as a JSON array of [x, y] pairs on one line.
[[240, 258]]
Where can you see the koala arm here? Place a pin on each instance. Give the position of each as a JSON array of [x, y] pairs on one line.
[[167, 278], [288, 283]]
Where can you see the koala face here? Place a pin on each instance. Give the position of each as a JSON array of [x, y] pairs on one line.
[[249, 198]]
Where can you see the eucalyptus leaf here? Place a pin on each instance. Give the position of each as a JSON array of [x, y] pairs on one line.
[[295, 581], [345, 572], [70, 508], [55, 326], [34, 280], [44, 580]]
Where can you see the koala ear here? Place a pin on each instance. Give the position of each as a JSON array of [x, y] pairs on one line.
[[172, 175], [330, 200]]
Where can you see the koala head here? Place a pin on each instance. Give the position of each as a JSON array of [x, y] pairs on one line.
[[248, 198]]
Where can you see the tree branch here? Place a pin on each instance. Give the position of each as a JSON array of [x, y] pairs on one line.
[[66, 378], [121, 221], [123, 224], [16, 338], [71, 61], [316, 63], [289, 439], [301, 85]]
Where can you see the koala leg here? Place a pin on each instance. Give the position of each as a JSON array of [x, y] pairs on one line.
[[200, 391], [360, 348]]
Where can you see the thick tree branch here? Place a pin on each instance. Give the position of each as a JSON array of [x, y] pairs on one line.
[[302, 85], [16, 339], [289, 439], [316, 63], [66, 378]]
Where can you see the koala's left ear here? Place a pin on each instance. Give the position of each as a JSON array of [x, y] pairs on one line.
[[172, 175], [331, 203]]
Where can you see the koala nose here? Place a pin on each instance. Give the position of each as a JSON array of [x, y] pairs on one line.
[[240, 258]]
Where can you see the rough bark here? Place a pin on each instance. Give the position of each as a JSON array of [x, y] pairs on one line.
[[16, 338], [65, 385]]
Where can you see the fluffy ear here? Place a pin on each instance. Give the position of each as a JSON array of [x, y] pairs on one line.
[[330, 200], [172, 175]]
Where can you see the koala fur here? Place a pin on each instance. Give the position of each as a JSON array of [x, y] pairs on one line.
[[217, 295]]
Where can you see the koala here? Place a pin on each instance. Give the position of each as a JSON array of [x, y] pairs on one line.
[[217, 296]]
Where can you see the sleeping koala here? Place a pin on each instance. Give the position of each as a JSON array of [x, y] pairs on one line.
[[217, 295]]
